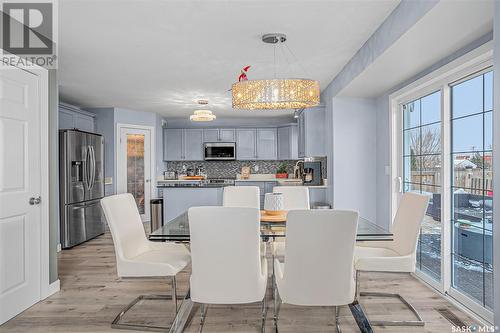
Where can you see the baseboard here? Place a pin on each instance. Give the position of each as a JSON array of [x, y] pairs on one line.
[[53, 288]]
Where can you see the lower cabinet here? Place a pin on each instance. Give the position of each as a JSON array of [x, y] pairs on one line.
[[264, 187], [177, 201]]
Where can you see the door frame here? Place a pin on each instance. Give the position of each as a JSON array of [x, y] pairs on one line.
[[46, 287], [151, 129], [440, 79]]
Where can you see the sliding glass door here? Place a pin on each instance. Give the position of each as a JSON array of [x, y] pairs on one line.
[[422, 174], [471, 154], [444, 150]]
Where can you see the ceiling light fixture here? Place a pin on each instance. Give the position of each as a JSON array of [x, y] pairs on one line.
[[202, 115], [275, 94]]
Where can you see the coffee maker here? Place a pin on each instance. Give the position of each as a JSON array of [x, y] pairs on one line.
[[311, 174]]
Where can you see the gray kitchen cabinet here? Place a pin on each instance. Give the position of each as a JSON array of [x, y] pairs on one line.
[[227, 135], [182, 144], [71, 117], [219, 135], [287, 143], [246, 144], [267, 144], [210, 135], [193, 144], [173, 144], [264, 187], [311, 133]]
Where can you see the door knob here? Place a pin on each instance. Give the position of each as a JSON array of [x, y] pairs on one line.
[[35, 201]]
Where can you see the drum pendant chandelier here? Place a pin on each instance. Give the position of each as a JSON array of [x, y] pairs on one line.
[[275, 94]]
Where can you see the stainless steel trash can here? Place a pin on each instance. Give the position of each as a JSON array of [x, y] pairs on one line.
[[156, 214], [321, 206]]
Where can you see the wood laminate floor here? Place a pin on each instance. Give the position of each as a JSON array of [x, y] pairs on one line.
[[92, 295]]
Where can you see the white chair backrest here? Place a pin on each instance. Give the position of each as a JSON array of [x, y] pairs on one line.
[[225, 255], [406, 226], [294, 197], [125, 224], [241, 196], [319, 257]]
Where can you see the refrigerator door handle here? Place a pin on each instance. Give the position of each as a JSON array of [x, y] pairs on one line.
[[93, 165], [88, 163]]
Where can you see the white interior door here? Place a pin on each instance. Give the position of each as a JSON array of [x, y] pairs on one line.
[[134, 166], [20, 180]]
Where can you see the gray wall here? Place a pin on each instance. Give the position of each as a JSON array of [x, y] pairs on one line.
[[354, 160], [496, 165], [106, 122]]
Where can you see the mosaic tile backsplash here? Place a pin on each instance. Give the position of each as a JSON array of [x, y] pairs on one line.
[[229, 169]]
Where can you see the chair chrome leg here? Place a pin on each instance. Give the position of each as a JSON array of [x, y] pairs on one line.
[[203, 314], [264, 314], [174, 293], [358, 284], [277, 306], [129, 326], [337, 320], [418, 322]]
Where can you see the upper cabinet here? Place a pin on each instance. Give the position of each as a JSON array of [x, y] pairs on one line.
[[267, 144], [311, 132], [227, 135], [246, 144], [182, 144], [256, 144], [287, 143], [251, 143], [71, 117], [193, 144], [219, 135]]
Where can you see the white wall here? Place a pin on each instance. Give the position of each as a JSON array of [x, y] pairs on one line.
[[354, 162]]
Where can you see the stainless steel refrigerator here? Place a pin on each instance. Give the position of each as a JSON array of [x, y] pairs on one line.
[[81, 181]]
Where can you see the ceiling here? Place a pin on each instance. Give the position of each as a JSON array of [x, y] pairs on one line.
[[447, 28], [161, 56]]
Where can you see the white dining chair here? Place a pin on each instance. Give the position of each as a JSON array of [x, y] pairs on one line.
[[294, 197], [241, 196], [136, 256], [398, 255], [226, 270], [319, 266]]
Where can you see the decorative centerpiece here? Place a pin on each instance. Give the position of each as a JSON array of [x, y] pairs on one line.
[[273, 204], [281, 171]]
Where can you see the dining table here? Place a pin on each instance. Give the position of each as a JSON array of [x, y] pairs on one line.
[[272, 227]]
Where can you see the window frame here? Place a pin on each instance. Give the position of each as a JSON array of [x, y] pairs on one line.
[[460, 69]]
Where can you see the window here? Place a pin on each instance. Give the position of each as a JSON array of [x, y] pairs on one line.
[[471, 161], [422, 173]]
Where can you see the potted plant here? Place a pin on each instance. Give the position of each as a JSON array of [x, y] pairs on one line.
[[281, 171]]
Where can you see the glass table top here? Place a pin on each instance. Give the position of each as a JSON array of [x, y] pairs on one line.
[[178, 230]]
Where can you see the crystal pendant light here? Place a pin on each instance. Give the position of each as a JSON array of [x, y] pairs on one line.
[[275, 94], [202, 115]]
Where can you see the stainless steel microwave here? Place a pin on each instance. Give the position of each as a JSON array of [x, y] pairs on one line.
[[220, 151]]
